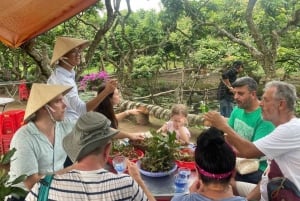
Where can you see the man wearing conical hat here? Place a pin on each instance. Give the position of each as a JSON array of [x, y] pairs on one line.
[[38, 143], [67, 55], [89, 143]]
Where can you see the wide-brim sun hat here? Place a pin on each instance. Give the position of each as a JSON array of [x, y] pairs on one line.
[[91, 131], [40, 95], [63, 45]]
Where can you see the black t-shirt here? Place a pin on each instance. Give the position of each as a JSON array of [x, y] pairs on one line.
[[223, 91]]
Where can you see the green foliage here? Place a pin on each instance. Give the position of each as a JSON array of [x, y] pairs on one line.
[[180, 34], [6, 186], [161, 152], [146, 67]]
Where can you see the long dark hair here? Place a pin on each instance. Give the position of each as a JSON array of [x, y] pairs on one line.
[[215, 159], [106, 108]]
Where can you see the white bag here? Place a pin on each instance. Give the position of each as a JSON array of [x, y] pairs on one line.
[[246, 165]]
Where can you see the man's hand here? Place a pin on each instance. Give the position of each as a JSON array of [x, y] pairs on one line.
[[133, 170], [216, 120], [111, 85]]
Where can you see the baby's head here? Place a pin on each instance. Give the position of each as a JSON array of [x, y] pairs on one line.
[[179, 109], [179, 114]]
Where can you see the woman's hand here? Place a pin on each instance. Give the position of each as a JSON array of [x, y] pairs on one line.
[[134, 111], [137, 136]]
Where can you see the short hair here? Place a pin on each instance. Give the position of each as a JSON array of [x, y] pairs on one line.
[[246, 81], [237, 64], [284, 91], [215, 156]]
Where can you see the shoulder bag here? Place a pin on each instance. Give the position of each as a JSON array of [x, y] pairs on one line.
[[44, 187], [279, 187]]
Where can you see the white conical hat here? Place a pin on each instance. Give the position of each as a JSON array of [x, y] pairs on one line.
[[63, 45], [40, 95]]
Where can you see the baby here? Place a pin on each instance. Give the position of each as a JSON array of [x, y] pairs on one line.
[[177, 123]]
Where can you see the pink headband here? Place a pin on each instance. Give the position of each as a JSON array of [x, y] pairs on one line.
[[212, 175]]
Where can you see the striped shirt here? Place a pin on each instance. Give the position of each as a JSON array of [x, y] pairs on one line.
[[91, 185]]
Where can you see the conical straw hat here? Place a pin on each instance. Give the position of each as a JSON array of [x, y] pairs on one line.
[[40, 95], [65, 44]]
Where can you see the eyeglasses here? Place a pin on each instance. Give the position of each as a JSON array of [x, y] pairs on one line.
[[76, 51]]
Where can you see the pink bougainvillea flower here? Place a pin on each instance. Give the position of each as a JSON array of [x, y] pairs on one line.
[[93, 80]]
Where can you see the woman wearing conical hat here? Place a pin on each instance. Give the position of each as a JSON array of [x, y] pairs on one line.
[[67, 55], [38, 143]]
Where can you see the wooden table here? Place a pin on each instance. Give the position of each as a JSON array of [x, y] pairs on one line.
[[5, 101], [162, 188]]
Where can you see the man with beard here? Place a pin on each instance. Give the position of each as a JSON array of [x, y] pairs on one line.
[[281, 146], [246, 120]]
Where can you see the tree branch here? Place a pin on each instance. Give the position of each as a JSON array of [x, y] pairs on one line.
[[252, 28], [294, 22]]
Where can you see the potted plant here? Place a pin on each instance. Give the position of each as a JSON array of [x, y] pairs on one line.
[[185, 157], [129, 151], [7, 187], [160, 153]]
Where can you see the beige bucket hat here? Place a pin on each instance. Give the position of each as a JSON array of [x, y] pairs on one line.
[[63, 45], [40, 95], [91, 131]]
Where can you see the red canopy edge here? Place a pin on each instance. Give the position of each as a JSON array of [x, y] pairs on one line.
[[22, 20]]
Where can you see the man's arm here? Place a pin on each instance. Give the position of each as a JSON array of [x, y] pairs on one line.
[[31, 180], [135, 174], [109, 88], [254, 195], [245, 148]]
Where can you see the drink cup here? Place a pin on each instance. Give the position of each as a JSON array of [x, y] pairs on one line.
[[184, 172], [119, 163], [180, 183]]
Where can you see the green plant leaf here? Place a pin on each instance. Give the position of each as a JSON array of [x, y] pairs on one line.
[[18, 179], [6, 157]]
